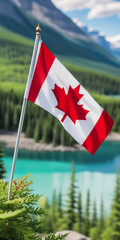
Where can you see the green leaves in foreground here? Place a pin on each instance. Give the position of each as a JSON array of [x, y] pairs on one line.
[[20, 217], [53, 237], [10, 214]]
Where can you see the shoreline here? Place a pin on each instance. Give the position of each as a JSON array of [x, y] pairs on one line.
[[8, 141]]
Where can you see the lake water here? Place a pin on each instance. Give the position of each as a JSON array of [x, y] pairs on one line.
[[52, 170]]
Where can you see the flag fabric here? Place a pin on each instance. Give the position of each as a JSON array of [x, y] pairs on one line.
[[53, 88]]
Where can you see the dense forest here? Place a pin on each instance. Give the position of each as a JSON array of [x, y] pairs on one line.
[[70, 214], [97, 82], [39, 124]]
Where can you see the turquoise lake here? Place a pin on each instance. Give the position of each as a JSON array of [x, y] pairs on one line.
[[52, 170]]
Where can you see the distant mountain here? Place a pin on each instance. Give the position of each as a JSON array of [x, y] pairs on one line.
[[12, 18], [104, 42], [69, 42], [115, 45], [111, 44], [100, 39], [45, 11]]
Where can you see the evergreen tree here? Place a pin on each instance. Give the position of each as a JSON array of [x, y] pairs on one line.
[[20, 217], [46, 219], [30, 129], [47, 206], [7, 120], [96, 231], [86, 226], [56, 133], [16, 116], [38, 131], [62, 137], [71, 201], [2, 169], [79, 217], [0, 116], [94, 215], [61, 220], [53, 212], [112, 230], [101, 222], [60, 212], [48, 130], [117, 123], [11, 106]]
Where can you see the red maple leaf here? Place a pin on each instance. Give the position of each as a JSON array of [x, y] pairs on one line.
[[68, 103]]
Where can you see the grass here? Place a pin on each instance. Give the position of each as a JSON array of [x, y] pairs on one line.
[[78, 69], [19, 88], [14, 37], [82, 53], [15, 57], [15, 86], [91, 66]]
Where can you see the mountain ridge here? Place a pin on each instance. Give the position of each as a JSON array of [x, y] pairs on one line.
[[111, 44], [46, 10], [77, 50]]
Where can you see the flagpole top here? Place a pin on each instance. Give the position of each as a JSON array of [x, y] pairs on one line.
[[38, 30]]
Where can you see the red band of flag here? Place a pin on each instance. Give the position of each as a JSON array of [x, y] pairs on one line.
[[44, 63], [99, 133]]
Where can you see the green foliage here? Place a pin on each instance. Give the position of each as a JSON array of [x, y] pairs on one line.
[[30, 128], [73, 217], [48, 129], [7, 115], [16, 116], [117, 122], [53, 237], [60, 212], [10, 215], [101, 222], [16, 51], [112, 230], [97, 82], [53, 212], [86, 225], [84, 54], [2, 169], [50, 218], [38, 131], [20, 217], [78, 227], [94, 215], [97, 229], [70, 212], [56, 134]]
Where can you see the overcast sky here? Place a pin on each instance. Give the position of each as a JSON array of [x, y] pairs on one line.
[[102, 15]]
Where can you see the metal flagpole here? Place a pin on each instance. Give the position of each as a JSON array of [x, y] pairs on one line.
[[23, 110]]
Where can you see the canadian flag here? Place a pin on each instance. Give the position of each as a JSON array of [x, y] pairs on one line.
[[53, 88]]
